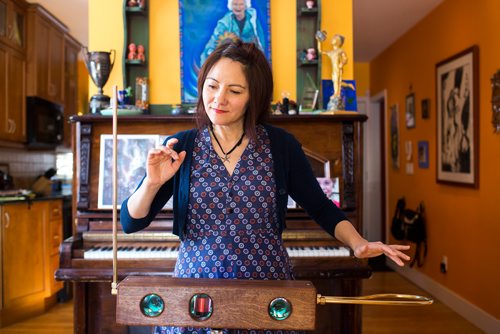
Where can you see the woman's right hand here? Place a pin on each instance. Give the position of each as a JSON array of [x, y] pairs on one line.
[[162, 163]]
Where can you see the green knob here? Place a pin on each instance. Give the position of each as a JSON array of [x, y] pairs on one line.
[[152, 305], [280, 308]]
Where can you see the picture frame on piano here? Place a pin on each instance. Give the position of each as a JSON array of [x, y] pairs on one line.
[[330, 187], [132, 155]]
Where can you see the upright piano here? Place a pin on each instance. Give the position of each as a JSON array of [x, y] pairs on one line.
[[333, 142]]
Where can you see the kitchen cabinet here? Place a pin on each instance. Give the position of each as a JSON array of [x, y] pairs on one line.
[[71, 49], [30, 236], [45, 52], [12, 95], [53, 235], [12, 70]]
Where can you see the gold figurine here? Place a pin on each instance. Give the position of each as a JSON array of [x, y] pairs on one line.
[[338, 58]]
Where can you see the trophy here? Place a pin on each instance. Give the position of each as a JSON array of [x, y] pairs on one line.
[[99, 65]]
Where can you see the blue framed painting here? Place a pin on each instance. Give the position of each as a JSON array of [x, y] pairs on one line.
[[423, 154], [206, 24]]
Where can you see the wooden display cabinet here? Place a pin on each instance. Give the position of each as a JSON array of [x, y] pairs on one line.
[[136, 28], [308, 71]]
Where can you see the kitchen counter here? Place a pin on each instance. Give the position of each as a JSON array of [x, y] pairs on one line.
[[26, 198]]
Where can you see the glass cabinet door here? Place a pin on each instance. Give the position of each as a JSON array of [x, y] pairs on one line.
[[16, 35], [3, 19]]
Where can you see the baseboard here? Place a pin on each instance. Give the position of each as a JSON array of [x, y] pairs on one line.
[[475, 315]]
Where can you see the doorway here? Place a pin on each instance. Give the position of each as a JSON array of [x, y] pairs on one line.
[[374, 167]]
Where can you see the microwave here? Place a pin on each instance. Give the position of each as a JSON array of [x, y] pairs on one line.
[[44, 123]]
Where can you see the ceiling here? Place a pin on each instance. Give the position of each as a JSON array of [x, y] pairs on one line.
[[73, 13], [377, 23]]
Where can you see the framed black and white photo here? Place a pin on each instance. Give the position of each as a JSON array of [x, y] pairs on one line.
[[410, 111], [132, 155], [395, 136], [458, 119]]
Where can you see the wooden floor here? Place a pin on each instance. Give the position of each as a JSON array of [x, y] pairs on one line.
[[433, 319]]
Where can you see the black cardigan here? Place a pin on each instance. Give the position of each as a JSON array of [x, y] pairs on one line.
[[293, 176]]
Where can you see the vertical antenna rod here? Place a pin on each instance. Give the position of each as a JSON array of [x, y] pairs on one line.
[[114, 104]]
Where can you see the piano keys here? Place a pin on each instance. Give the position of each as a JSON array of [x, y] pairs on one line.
[[105, 252]]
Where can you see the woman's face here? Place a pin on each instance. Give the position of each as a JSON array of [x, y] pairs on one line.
[[226, 93], [238, 7]]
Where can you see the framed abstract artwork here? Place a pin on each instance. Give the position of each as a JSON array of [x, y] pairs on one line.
[[132, 154], [394, 131], [457, 138], [206, 24]]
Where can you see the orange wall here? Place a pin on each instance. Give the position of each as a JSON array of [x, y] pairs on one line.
[[362, 77], [463, 223]]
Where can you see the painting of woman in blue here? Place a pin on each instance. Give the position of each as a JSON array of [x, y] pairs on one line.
[[240, 22], [206, 24]]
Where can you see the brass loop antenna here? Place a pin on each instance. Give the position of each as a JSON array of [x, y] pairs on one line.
[[386, 299]]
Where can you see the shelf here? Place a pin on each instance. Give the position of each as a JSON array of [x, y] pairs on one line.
[[308, 11], [308, 72], [140, 10], [135, 62], [136, 30], [308, 63]]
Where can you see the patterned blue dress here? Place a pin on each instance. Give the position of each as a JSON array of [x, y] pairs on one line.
[[231, 229]]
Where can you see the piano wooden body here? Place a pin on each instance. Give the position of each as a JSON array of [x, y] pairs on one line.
[[332, 141]]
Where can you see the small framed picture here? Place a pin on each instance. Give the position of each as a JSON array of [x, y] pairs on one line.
[[426, 104], [410, 111], [423, 154]]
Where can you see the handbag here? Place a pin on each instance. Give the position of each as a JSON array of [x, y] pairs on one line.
[[409, 225]]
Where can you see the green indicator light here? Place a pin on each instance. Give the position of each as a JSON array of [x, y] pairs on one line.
[[280, 309], [152, 305]]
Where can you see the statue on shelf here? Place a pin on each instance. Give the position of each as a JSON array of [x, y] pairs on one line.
[[140, 53], [338, 58], [132, 51]]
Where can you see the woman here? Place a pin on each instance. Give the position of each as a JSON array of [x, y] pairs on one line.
[[231, 178]]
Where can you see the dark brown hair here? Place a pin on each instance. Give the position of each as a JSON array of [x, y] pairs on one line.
[[258, 74]]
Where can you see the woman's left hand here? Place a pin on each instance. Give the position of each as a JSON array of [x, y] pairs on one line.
[[372, 249]]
